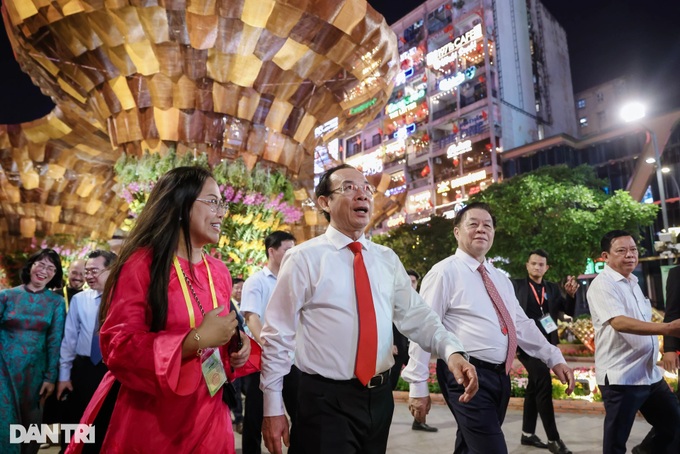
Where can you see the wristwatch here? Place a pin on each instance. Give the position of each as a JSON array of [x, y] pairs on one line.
[[464, 355]]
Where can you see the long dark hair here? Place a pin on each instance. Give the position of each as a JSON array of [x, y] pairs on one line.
[[158, 228], [56, 281]]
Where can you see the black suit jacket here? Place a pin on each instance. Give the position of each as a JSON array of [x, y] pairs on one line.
[[555, 300], [670, 343]]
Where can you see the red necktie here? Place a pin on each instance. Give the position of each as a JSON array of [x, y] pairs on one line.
[[367, 345], [507, 326]]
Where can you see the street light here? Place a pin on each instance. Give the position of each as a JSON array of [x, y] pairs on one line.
[[634, 112]]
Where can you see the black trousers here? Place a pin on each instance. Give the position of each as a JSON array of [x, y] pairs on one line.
[[253, 411], [538, 397], [85, 378], [479, 421], [399, 362], [238, 410], [342, 417], [658, 405]]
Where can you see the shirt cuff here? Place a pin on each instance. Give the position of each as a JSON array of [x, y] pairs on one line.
[[555, 359], [418, 389], [273, 403], [64, 373]]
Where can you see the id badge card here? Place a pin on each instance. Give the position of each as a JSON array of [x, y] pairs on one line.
[[213, 370], [548, 323]]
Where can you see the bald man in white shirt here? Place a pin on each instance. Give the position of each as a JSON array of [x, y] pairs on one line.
[[313, 311], [455, 289]]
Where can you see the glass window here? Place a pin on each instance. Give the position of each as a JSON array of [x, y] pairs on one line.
[[353, 145], [581, 103], [600, 96]]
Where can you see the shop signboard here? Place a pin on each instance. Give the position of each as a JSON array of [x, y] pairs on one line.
[[449, 52]]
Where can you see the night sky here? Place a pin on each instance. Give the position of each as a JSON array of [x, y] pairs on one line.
[[607, 39]]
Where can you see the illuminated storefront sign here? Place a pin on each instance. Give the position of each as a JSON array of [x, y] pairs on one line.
[[471, 126], [397, 190], [369, 164], [408, 54], [407, 103], [445, 186], [593, 267], [330, 125], [459, 148], [394, 222], [405, 131], [457, 79], [361, 107], [423, 220], [462, 45], [402, 76]]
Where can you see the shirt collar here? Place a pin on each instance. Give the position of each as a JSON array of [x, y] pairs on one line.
[[618, 276], [267, 272], [340, 240], [470, 261]]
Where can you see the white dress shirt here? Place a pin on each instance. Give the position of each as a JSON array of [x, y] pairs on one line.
[[625, 359], [257, 290], [313, 312], [80, 323], [456, 293]]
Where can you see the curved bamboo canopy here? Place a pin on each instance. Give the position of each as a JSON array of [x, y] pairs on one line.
[[257, 79]]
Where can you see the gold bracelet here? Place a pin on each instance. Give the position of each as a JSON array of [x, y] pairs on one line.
[[199, 351]]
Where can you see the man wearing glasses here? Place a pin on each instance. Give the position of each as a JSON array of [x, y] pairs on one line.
[[80, 363], [333, 306]]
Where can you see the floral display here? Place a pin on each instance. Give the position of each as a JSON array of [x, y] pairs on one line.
[[260, 201]]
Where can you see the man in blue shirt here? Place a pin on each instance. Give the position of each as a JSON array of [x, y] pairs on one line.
[[257, 290], [80, 362]]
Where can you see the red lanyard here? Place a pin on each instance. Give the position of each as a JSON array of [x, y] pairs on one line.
[[533, 289]]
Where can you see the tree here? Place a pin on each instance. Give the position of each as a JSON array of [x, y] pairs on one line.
[[564, 211], [419, 246]]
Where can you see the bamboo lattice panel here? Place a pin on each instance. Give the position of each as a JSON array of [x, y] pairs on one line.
[[231, 78]]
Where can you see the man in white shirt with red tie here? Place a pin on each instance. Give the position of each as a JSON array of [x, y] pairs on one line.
[[345, 403], [477, 303]]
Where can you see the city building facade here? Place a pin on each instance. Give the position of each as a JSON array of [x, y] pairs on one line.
[[477, 77], [598, 108]]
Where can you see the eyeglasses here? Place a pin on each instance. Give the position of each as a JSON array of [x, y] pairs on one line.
[[94, 272], [216, 205], [42, 267], [350, 188]]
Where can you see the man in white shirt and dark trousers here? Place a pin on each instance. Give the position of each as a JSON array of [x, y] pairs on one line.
[[334, 303], [257, 290], [626, 349], [80, 361], [477, 303]]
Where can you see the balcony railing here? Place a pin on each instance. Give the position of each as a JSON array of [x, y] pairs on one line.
[[419, 183]]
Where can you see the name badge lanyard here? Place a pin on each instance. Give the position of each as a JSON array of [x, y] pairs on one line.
[[542, 300], [185, 290]]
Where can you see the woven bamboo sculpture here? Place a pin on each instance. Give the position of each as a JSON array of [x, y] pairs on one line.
[[256, 79]]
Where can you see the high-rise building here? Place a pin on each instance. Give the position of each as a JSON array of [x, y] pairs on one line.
[[598, 108], [477, 77]]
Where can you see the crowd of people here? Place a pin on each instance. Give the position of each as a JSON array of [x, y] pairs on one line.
[[158, 351]]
